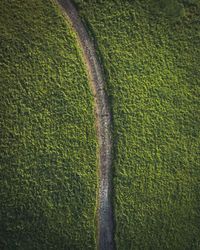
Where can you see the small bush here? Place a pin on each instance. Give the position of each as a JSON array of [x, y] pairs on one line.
[[172, 8]]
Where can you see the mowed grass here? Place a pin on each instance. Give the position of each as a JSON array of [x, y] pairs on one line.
[[151, 55], [47, 132]]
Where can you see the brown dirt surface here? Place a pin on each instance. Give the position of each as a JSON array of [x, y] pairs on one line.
[[103, 120]]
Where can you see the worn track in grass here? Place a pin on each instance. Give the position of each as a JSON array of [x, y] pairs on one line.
[[103, 121]]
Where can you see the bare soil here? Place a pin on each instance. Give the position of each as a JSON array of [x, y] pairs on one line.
[[103, 120]]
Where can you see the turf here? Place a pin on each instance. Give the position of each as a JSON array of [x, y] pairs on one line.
[[47, 132], [150, 52]]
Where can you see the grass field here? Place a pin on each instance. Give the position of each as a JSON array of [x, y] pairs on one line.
[[150, 51], [48, 141]]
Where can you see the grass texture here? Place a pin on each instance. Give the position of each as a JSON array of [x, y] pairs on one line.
[[150, 52], [47, 132]]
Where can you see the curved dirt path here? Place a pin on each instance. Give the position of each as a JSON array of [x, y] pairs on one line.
[[103, 122]]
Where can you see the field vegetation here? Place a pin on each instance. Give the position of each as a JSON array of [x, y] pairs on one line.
[[47, 132], [150, 52]]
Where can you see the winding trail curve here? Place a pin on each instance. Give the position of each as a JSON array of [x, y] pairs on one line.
[[103, 120]]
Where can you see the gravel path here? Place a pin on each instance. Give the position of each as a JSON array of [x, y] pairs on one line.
[[103, 122]]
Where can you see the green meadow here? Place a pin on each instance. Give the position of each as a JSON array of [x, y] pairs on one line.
[[150, 54], [48, 141], [150, 51]]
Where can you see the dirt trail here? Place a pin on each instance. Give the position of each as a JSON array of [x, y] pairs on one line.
[[103, 120]]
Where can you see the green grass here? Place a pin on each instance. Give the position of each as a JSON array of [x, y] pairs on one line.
[[150, 51], [48, 141]]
